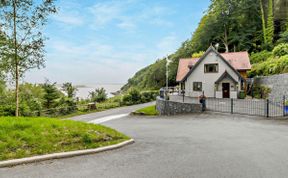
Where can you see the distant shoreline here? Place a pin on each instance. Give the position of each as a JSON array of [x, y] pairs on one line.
[[98, 84]]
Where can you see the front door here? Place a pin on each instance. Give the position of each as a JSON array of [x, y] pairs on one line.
[[226, 90]]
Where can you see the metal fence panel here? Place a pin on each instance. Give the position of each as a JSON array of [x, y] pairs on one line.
[[254, 107]]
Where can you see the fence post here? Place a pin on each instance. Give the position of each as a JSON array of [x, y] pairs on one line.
[[231, 105], [267, 108], [284, 101]]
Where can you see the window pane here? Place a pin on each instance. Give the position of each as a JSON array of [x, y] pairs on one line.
[[197, 86], [211, 68]]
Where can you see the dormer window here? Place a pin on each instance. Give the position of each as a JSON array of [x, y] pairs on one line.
[[211, 68]]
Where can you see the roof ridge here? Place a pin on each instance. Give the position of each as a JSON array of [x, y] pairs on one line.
[[235, 52]]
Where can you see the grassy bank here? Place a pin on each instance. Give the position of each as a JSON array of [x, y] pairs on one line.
[[149, 111], [25, 137], [99, 107]]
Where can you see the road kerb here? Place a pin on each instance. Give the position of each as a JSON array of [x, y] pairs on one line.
[[39, 158]]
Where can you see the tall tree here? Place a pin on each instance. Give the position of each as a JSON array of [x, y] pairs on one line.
[[263, 22], [98, 95], [51, 93], [22, 22], [223, 10], [69, 89], [270, 23]]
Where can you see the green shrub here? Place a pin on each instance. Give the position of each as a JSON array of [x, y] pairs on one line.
[[7, 110], [270, 67], [127, 100], [281, 50], [99, 95], [242, 95], [261, 92], [260, 57], [135, 95], [147, 96], [283, 37], [115, 99], [66, 106], [198, 54], [132, 97]]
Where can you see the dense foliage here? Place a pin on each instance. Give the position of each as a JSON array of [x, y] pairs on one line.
[[99, 95], [22, 38], [48, 99], [234, 25]]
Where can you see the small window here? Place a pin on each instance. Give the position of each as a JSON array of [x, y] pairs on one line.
[[211, 68], [197, 86]]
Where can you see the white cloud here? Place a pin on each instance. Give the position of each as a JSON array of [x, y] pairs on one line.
[[167, 45], [125, 15], [106, 12], [69, 19], [95, 57], [69, 13], [87, 51], [128, 25], [89, 63]]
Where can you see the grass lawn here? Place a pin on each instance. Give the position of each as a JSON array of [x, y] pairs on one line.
[[100, 107], [149, 111], [25, 137]]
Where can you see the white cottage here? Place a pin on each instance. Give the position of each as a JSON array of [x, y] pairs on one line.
[[219, 75]]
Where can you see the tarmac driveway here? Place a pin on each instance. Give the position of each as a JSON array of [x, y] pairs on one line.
[[204, 145]]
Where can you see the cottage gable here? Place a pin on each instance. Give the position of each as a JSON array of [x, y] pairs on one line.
[[238, 60], [213, 74]]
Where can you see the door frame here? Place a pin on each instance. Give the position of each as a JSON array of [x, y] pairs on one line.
[[227, 87]]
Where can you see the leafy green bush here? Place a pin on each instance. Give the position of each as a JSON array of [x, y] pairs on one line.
[[7, 110], [198, 54], [283, 37], [270, 67], [134, 96], [66, 106], [261, 92], [147, 96], [127, 100], [260, 57], [114, 99], [242, 95], [281, 50], [99, 95]]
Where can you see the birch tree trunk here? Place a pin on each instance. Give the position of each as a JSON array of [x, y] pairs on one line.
[[225, 41], [16, 57]]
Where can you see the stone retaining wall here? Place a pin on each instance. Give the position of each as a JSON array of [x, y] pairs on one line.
[[277, 83], [166, 107]]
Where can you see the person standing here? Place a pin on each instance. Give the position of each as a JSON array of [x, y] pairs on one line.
[[202, 100]]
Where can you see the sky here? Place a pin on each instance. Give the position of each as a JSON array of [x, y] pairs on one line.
[[107, 41]]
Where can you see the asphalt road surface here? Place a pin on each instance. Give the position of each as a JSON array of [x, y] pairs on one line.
[[202, 145]]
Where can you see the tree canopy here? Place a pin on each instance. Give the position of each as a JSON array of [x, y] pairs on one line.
[[236, 25]]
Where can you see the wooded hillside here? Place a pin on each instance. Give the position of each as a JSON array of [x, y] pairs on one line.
[[236, 25]]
